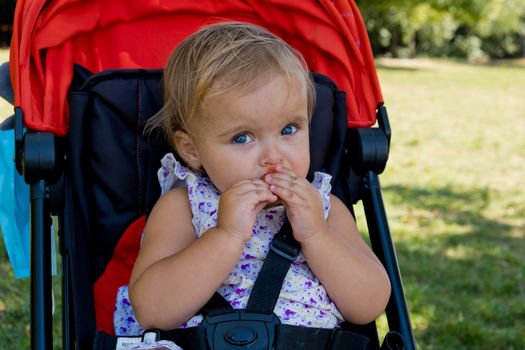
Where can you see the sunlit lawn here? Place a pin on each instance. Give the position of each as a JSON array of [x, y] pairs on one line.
[[455, 195]]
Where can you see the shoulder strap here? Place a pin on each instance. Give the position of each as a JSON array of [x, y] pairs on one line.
[[283, 251]]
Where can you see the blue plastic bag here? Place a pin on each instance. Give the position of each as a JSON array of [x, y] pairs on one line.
[[15, 210]]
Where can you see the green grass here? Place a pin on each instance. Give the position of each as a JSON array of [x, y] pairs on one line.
[[454, 191], [455, 195]]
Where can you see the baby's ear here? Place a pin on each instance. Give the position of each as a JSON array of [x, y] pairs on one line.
[[186, 149]]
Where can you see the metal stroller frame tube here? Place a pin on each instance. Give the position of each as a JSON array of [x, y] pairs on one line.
[[41, 299], [38, 159], [369, 157], [67, 327], [397, 310]]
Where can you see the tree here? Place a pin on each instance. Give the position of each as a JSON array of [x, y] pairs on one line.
[[463, 28]]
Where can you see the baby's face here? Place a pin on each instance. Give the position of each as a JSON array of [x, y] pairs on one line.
[[248, 134]]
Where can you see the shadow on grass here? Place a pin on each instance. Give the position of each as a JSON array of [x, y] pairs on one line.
[[463, 272]]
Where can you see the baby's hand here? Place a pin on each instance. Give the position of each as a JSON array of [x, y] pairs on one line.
[[239, 205], [303, 203]]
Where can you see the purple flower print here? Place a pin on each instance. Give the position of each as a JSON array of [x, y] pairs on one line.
[[289, 312], [308, 284]]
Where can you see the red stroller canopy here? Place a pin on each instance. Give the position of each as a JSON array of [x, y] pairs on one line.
[[49, 37]]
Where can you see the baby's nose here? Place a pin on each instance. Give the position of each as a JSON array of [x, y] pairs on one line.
[[271, 155]]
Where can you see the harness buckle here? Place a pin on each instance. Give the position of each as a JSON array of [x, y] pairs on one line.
[[241, 330], [284, 247]]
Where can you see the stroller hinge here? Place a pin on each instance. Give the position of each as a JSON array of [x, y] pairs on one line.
[[370, 146]]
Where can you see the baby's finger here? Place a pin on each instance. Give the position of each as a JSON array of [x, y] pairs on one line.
[[262, 199], [249, 185], [252, 190], [258, 191], [287, 194], [288, 181]]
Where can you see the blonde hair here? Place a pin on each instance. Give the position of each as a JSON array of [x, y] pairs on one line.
[[220, 58]]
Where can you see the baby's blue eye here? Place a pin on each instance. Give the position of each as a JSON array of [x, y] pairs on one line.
[[289, 130], [242, 139]]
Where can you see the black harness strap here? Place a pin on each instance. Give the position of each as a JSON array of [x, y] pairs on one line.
[[290, 337], [193, 338], [283, 251], [216, 305]]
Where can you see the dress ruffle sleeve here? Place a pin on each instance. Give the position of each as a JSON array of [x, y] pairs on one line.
[[171, 171], [322, 183], [173, 174]]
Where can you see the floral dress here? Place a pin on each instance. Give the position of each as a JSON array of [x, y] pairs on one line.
[[303, 301]]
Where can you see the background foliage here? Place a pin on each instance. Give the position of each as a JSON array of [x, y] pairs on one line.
[[472, 29]]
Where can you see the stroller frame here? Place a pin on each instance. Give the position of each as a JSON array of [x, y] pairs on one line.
[[39, 157]]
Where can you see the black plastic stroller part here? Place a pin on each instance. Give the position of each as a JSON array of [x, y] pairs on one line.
[[39, 158], [393, 341], [41, 166], [106, 137], [370, 148], [397, 310]]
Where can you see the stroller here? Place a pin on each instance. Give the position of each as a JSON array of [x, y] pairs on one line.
[[86, 77]]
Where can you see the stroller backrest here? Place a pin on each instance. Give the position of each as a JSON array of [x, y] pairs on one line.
[[111, 178], [114, 165]]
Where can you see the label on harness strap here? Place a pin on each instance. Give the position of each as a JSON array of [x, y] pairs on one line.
[[124, 343]]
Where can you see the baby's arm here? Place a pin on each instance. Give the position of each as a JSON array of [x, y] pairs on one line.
[[351, 273], [176, 274]]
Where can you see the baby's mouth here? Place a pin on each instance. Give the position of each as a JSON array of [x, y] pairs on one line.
[[270, 169]]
